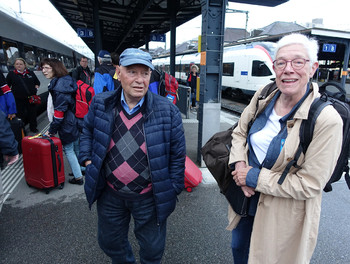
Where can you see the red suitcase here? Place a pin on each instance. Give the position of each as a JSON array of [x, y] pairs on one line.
[[193, 175], [43, 162]]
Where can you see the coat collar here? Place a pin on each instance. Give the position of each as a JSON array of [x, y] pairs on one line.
[[303, 111], [111, 98]]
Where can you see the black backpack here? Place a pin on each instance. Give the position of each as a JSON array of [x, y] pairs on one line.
[[342, 105]]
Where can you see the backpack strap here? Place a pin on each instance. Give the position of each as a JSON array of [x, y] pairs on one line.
[[267, 90], [306, 132]]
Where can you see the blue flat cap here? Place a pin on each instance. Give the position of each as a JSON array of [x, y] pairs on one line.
[[133, 56], [104, 54]]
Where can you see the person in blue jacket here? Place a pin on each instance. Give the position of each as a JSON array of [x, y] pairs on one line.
[[133, 147], [8, 149], [62, 88], [7, 100], [103, 80]]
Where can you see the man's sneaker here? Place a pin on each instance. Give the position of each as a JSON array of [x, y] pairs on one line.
[[76, 181]]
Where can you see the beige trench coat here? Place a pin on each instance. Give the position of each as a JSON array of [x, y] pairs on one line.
[[286, 222]]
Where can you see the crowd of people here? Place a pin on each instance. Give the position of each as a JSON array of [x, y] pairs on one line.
[[132, 150]]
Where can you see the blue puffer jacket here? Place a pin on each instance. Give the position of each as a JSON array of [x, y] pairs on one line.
[[64, 122], [165, 143], [103, 80]]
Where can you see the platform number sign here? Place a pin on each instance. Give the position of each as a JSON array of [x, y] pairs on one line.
[[157, 37], [329, 48], [85, 32]]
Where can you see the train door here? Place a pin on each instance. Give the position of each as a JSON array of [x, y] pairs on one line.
[[11, 53], [241, 72]]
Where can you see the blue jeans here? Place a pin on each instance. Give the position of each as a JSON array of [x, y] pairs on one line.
[[71, 150], [241, 240], [114, 216]]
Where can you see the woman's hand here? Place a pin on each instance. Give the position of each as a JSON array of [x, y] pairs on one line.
[[248, 191], [240, 175]]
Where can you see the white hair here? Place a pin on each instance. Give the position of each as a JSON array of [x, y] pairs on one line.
[[310, 45]]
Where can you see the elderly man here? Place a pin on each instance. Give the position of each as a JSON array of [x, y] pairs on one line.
[[103, 80], [133, 147]]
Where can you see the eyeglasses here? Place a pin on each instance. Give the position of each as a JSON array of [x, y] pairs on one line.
[[297, 64], [47, 68]]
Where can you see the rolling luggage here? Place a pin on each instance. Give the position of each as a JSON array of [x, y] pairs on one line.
[[193, 175], [17, 127], [43, 162]]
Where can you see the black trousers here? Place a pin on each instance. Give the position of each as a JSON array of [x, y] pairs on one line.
[[27, 112]]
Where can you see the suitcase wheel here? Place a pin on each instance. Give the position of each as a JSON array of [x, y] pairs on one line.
[[47, 191], [189, 189], [61, 185]]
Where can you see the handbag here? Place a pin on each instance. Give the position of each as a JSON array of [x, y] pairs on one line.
[[216, 156], [34, 99]]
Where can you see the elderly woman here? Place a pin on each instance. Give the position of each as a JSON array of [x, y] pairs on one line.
[[62, 89], [24, 83], [282, 223]]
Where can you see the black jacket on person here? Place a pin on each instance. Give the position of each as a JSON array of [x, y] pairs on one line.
[[79, 73], [29, 78]]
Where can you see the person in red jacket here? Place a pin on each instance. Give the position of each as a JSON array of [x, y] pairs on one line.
[[192, 82]]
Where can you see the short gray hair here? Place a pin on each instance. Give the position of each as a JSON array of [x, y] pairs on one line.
[[310, 45]]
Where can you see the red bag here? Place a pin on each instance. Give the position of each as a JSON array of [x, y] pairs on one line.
[[193, 175], [83, 99], [34, 99], [171, 86]]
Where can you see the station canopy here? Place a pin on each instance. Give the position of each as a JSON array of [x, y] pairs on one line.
[[125, 23]]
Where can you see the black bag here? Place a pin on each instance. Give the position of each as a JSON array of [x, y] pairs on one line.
[[342, 105], [18, 130], [216, 154]]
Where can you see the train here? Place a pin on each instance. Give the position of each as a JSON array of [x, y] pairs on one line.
[[246, 67]]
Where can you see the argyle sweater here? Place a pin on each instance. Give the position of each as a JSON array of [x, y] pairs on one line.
[[126, 163]]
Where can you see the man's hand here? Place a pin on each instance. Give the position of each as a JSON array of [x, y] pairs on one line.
[[87, 162]]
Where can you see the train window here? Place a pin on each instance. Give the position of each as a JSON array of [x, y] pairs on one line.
[[3, 61], [259, 68], [29, 57], [40, 55], [177, 68], [11, 54], [228, 69]]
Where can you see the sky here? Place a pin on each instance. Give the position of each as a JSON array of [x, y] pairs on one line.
[[335, 14]]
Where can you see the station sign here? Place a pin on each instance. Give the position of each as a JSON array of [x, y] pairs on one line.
[[157, 37], [85, 32], [329, 48]]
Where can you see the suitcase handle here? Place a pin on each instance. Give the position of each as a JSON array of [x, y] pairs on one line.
[[59, 161]]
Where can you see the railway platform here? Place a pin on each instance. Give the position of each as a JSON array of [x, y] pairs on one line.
[[58, 227]]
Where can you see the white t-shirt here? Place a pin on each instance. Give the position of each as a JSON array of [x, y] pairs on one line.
[[261, 140]]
